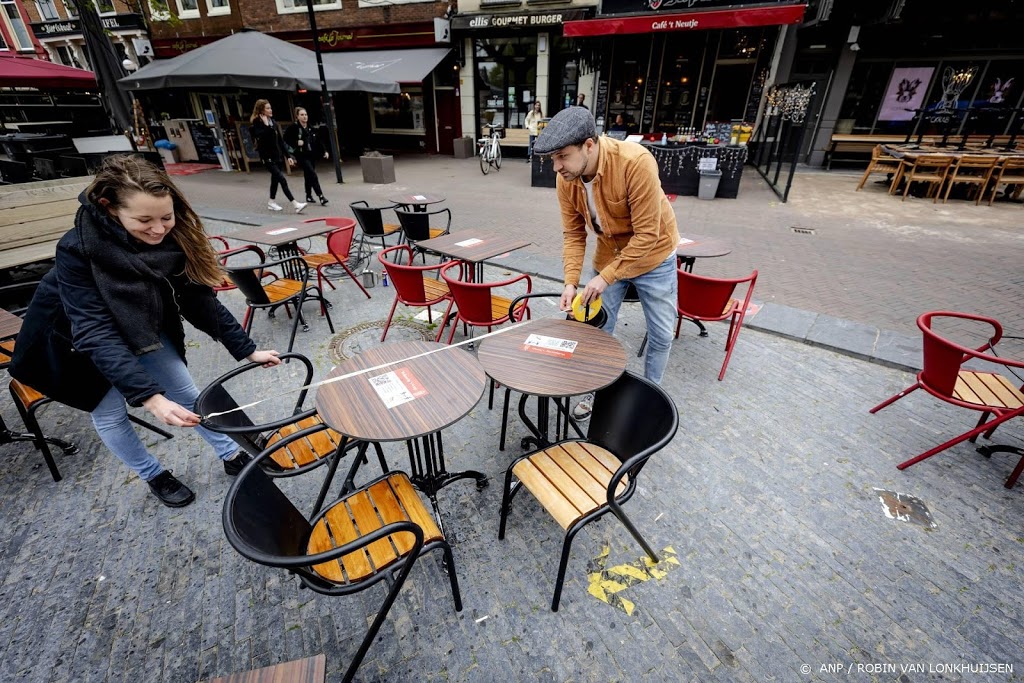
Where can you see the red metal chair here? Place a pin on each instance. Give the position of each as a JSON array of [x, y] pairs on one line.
[[708, 298], [339, 243], [412, 287], [945, 378], [476, 303], [224, 251]]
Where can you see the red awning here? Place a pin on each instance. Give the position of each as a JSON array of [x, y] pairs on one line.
[[18, 72], [686, 21]]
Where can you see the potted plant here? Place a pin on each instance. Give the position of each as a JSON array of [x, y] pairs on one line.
[[377, 168]]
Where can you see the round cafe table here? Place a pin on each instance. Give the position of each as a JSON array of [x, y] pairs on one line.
[[418, 202], [413, 397], [692, 247], [525, 359]]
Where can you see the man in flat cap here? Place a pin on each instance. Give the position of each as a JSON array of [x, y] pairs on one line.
[[611, 189]]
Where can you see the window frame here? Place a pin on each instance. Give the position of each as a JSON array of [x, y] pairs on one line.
[[187, 13], [9, 23], [281, 9], [414, 91], [109, 13], [52, 5], [212, 11]]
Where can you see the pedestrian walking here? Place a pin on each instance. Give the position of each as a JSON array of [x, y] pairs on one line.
[[532, 119], [611, 188], [270, 147], [105, 324], [300, 140]]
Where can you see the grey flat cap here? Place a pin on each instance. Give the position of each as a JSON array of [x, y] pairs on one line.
[[571, 126]]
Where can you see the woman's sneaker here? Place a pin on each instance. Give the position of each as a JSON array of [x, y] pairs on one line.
[[273, 206], [583, 408], [299, 206], [170, 491], [323, 201]]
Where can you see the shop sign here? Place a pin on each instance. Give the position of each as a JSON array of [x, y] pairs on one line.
[[686, 21], [52, 29], [516, 20], [665, 6]]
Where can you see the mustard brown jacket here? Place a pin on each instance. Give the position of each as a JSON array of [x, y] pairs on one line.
[[638, 226]]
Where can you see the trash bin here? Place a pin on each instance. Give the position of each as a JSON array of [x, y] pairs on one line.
[[708, 184]]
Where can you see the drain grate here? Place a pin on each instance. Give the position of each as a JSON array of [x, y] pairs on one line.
[[803, 231]]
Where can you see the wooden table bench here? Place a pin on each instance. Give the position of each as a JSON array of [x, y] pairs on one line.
[[34, 216], [857, 148]]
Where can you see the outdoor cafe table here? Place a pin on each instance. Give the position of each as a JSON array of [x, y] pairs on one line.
[[473, 247], [550, 358], [692, 247], [413, 397], [10, 325], [418, 202], [283, 237]]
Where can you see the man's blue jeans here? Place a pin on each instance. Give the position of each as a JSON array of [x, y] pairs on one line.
[[110, 418], [657, 291]]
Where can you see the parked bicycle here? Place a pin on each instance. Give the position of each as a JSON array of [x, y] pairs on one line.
[[490, 148]]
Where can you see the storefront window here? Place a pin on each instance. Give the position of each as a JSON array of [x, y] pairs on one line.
[[400, 113], [628, 80], [998, 94], [506, 79], [864, 95], [738, 51], [680, 73]]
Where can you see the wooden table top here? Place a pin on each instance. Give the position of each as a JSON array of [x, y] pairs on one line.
[[416, 199], [282, 233], [701, 246], [911, 152], [597, 361], [444, 386], [482, 245], [10, 324]]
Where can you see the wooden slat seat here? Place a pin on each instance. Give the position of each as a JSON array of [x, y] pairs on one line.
[[392, 499], [500, 304], [987, 389], [6, 352], [437, 232], [570, 479], [315, 260], [282, 289], [26, 395], [391, 228], [435, 289], [305, 451]]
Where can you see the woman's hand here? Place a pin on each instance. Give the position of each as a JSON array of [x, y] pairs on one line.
[[267, 359], [169, 412], [290, 161]]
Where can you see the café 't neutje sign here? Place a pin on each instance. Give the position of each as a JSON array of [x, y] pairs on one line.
[[517, 20], [672, 6]]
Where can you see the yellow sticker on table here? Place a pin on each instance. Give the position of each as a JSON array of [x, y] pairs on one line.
[[584, 313]]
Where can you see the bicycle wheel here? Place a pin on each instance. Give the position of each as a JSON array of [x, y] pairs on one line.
[[485, 165], [497, 155]]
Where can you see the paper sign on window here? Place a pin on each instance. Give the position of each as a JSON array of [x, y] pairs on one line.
[[550, 346]]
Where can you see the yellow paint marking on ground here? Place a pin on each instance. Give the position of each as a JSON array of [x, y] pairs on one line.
[[605, 584]]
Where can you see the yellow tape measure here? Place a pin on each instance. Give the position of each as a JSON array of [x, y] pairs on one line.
[[582, 312]]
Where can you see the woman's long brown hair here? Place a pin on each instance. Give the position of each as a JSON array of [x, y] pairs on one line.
[[257, 110], [122, 175]]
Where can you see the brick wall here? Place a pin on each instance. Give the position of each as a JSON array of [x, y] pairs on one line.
[[33, 11]]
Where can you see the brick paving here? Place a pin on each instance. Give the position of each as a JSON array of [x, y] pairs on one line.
[[766, 495]]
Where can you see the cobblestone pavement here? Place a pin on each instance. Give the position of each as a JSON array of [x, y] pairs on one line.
[[788, 565], [872, 258]]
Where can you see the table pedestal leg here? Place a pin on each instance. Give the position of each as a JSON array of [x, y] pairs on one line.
[[430, 474], [8, 436]]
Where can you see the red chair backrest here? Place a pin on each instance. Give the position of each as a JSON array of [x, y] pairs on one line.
[[942, 358], [706, 297], [406, 279], [473, 299], [339, 242]]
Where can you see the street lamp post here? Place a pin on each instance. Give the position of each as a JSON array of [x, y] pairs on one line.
[[324, 95]]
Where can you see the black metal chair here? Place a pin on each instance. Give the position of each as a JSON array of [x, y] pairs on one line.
[[372, 534], [371, 222], [416, 226], [633, 419], [298, 456], [281, 291]]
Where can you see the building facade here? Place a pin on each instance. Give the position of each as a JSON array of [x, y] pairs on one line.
[[58, 30], [16, 38]]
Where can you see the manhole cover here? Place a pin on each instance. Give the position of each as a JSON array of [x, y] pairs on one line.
[[905, 508], [355, 340]]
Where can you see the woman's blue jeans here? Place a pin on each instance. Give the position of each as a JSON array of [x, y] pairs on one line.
[[110, 418], [657, 291]]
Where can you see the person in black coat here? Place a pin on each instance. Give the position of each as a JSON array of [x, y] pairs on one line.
[[270, 147], [300, 140], [105, 324]]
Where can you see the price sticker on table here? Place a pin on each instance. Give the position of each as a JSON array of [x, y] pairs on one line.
[[550, 346], [468, 243], [419, 197], [397, 387], [281, 231], [683, 240]]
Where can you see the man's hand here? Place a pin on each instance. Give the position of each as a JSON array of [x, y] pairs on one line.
[[568, 294], [594, 289], [290, 162], [169, 412], [325, 155], [267, 359]]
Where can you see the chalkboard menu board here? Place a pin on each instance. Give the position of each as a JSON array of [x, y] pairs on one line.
[[602, 101], [248, 147], [204, 140]]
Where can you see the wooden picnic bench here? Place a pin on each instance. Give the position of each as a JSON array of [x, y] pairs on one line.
[[34, 216]]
